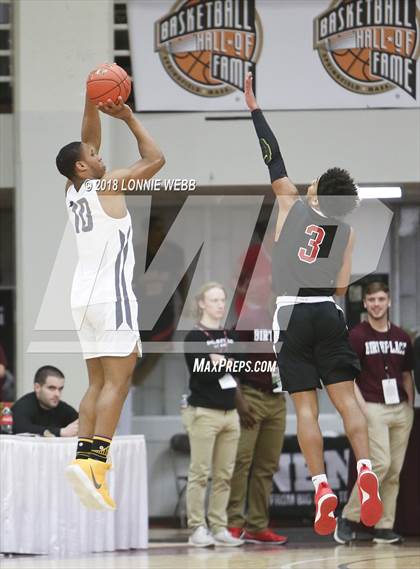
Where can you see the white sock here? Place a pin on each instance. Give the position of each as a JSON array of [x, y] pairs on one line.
[[318, 479], [363, 462]]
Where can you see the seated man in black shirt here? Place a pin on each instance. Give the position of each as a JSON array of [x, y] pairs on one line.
[[42, 412]]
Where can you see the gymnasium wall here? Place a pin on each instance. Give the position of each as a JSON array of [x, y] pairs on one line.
[[377, 146]]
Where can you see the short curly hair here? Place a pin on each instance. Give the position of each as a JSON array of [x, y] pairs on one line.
[[67, 158], [337, 183]]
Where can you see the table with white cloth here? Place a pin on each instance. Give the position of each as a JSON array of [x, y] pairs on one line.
[[40, 514]]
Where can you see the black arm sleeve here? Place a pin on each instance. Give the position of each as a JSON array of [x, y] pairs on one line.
[[269, 146]]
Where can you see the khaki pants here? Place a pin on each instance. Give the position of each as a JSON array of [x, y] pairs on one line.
[[259, 448], [389, 429], [214, 436]]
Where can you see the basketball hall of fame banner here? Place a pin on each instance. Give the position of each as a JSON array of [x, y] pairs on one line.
[[193, 55]]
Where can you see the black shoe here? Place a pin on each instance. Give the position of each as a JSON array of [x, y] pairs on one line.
[[386, 536], [344, 531]]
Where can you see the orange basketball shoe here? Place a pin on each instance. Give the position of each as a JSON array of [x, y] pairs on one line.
[[88, 479], [326, 502], [78, 476]]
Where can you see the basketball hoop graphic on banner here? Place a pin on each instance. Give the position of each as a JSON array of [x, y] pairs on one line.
[[208, 47], [370, 47]]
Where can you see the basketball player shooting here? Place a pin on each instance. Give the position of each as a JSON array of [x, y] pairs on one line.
[[311, 261], [103, 304]]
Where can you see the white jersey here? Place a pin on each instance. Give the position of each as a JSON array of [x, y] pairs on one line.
[[104, 272]]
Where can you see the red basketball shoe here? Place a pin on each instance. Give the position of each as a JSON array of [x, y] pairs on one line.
[[266, 536], [326, 502], [236, 532], [370, 501]]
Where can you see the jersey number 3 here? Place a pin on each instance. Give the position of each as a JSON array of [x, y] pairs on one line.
[[310, 253], [82, 216]]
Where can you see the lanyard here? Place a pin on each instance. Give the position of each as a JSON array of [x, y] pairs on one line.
[[384, 359], [207, 333]]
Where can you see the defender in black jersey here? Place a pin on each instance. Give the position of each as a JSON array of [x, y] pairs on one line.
[[311, 261]]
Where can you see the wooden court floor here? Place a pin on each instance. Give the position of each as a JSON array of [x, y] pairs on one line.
[[307, 552]]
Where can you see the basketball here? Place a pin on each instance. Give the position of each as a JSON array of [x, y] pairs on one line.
[[108, 81]]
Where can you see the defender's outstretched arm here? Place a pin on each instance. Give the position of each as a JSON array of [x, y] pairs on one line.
[[280, 183]]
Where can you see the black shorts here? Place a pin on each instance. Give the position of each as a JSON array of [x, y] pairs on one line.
[[314, 346]]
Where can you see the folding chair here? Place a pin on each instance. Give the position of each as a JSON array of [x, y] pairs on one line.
[[180, 451]]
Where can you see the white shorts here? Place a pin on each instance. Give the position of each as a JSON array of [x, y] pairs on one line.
[[108, 329]]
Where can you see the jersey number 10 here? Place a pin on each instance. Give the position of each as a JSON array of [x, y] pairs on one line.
[[83, 216]]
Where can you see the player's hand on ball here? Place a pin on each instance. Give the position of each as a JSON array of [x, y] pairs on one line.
[[118, 110], [250, 99]]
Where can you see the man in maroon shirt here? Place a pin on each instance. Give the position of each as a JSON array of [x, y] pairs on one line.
[[262, 412], [385, 392], [261, 406]]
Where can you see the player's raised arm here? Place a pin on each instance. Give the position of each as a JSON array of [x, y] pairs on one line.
[[91, 125], [91, 129], [151, 157], [280, 183]]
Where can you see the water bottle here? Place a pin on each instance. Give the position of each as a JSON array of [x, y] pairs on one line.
[[6, 420], [184, 401]]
